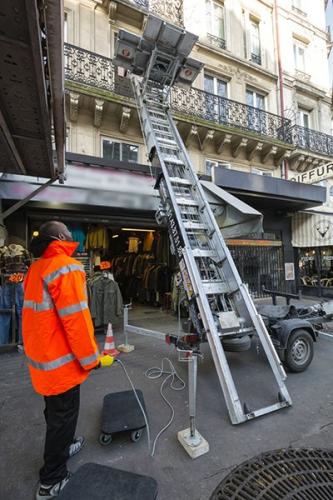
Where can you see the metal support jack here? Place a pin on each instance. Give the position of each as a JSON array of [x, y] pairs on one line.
[[191, 440], [220, 305]]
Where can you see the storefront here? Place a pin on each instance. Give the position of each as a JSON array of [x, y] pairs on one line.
[[313, 240], [268, 259], [111, 212]]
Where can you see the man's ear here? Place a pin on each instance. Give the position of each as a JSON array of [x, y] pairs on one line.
[[61, 237]]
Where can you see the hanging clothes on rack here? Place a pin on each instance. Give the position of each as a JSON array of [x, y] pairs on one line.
[[79, 236], [106, 301], [14, 263], [97, 237]]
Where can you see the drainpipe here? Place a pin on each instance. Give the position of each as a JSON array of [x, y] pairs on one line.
[[280, 73]]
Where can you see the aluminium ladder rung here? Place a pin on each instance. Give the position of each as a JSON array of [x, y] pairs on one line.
[[166, 141], [186, 202], [179, 180], [194, 225], [197, 252], [215, 288]]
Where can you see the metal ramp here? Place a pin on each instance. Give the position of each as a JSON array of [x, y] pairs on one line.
[[219, 303]]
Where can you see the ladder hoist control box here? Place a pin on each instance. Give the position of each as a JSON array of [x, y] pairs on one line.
[[219, 302]]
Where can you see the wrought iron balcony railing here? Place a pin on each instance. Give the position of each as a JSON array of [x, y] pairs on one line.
[[256, 58], [216, 41], [230, 113], [318, 142], [93, 70], [144, 4]]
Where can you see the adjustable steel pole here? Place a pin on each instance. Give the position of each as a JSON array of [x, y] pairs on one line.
[[192, 390]]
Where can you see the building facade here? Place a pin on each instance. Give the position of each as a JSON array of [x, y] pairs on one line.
[[260, 108]]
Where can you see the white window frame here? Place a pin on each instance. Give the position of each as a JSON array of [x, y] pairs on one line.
[[256, 23], [215, 163], [259, 171], [216, 79], [117, 141], [211, 29], [299, 61], [301, 113], [256, 93]]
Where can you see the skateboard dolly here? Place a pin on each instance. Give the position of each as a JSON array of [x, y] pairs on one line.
[[99, 482], [122, 413]]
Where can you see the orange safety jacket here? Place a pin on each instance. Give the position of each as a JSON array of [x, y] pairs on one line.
[[58, 333]]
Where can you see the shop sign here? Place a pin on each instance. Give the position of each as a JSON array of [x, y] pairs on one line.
[[289, 271], [315, 175]]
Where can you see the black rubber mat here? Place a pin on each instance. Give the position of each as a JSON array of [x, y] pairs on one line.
[[286, 474], [98, 482], [121, 412]]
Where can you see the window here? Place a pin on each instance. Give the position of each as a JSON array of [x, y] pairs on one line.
[[65, 27], [256, 118], [122, 151], [215, 163], [298, 7], [303, 118], [215, 86], [258, 171], [215, 22], [255, 42], [216, 109], [299, 56], [255, 99]]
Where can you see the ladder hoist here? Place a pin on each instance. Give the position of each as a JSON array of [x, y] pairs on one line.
[[219, 302]]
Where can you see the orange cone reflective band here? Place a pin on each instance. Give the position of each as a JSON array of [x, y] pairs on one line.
[[109, 345]]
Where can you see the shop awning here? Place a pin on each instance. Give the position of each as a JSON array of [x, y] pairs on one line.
[[312, 229], [234, 217]]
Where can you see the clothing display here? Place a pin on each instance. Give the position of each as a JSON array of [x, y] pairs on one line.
[[79, 236], [14, 263], [106, 301], [11, 294], [148, 242], [97, 237], [133, 244], [14, 259]]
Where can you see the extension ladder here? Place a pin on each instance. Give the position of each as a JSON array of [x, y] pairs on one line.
[[220, 304]]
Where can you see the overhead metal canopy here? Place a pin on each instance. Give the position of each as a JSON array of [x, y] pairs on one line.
[[29, 80], [234, 217]]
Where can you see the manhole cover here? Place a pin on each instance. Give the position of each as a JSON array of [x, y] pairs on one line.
[[297, 474]]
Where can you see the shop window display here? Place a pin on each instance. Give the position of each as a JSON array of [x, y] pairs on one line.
[[316, 267], [14, 263], [140, 267]]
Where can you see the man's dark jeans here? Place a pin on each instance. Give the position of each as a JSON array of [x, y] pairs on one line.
[[61, 413]]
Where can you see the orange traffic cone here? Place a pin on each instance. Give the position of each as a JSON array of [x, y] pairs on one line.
[[109, 345]]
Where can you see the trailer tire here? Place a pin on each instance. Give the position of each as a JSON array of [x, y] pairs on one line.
[[299, 351], [239, 344]]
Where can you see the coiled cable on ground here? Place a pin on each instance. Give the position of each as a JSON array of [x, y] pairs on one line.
[[158, 372], [176, 384]]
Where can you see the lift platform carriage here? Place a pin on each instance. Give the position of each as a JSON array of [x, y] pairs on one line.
[[219, 303]]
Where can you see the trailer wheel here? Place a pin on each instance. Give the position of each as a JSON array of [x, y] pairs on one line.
[[136, 435], [299, 352], [105, 439]]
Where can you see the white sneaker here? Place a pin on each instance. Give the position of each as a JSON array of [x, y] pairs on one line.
[[76, 446], [45, 492]]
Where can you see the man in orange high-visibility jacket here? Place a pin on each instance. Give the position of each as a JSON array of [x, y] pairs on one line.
[[59, 343]]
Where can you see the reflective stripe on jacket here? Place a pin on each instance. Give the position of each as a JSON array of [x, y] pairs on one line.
[[58, 333]]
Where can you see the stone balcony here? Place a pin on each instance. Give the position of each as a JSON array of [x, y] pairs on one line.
[[204, 118], [137, 10]]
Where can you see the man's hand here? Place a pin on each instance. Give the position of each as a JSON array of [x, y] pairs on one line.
[[106, 360]]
